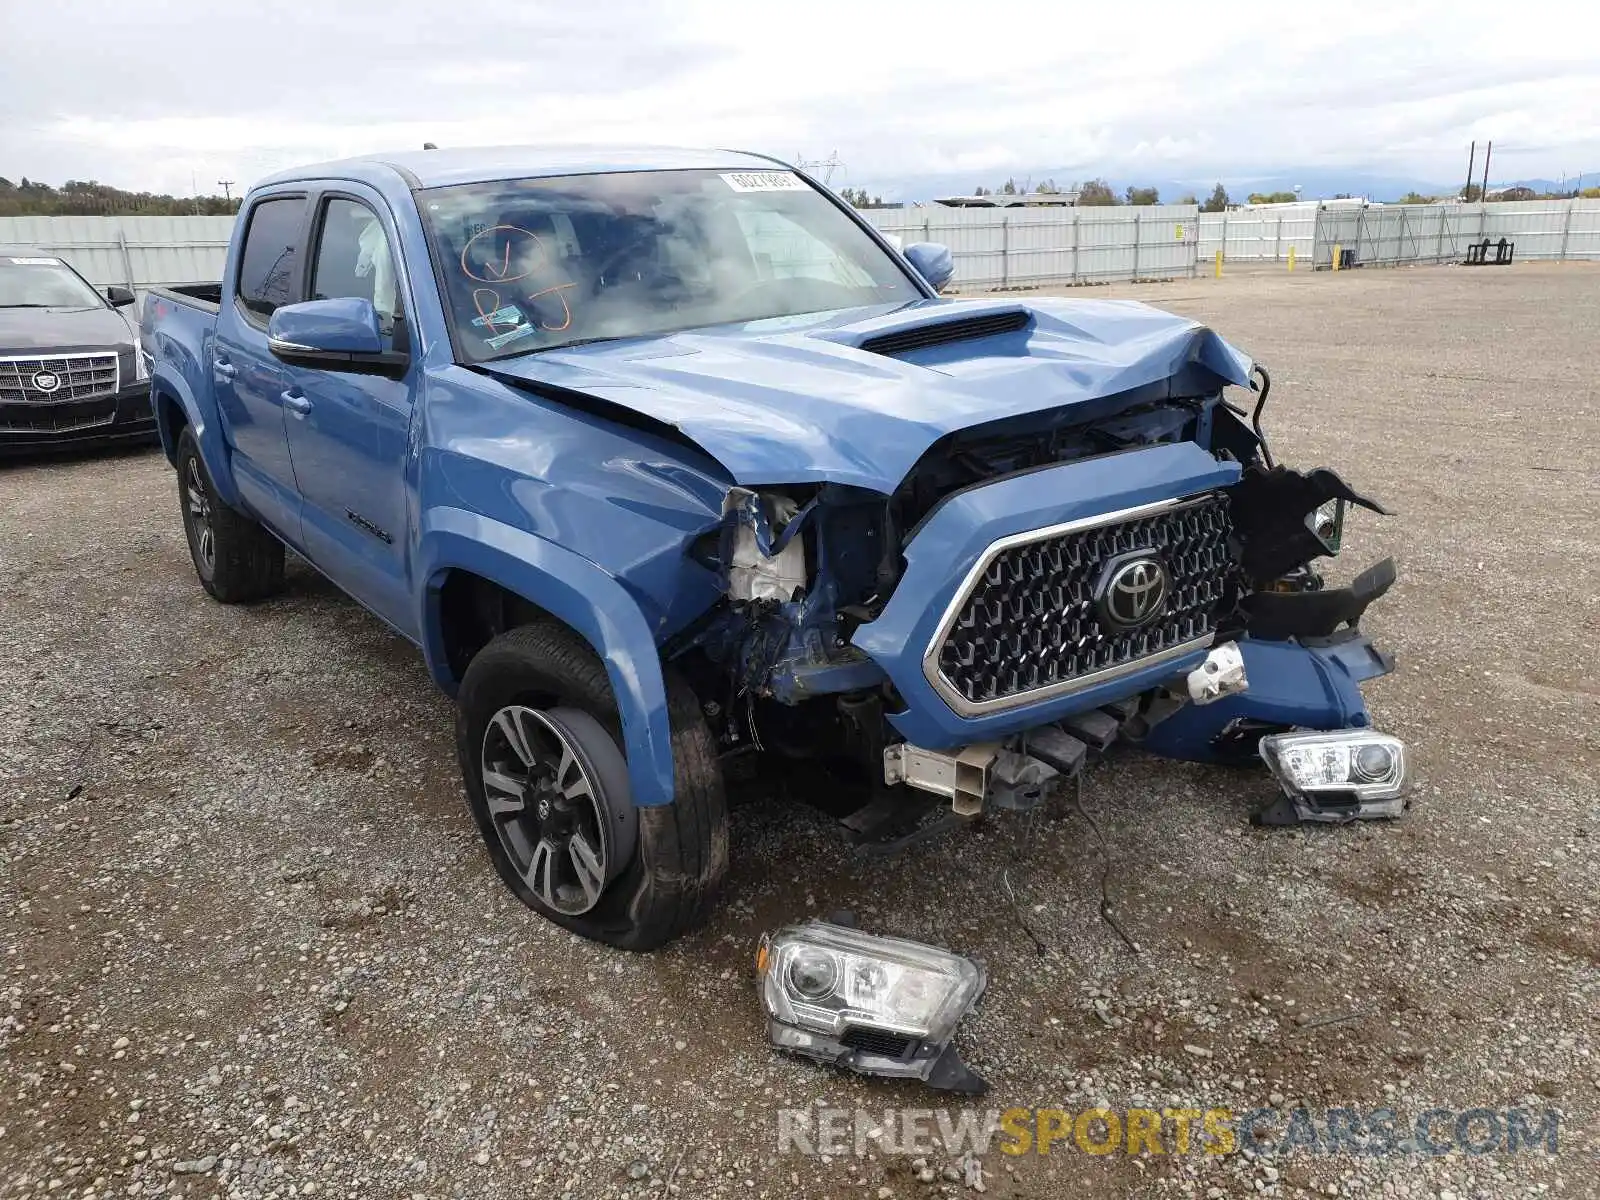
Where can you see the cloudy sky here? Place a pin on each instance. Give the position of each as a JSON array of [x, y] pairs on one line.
[[162, 93]]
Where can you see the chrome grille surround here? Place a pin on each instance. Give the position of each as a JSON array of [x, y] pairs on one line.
[[1190, 533], [88, 375]]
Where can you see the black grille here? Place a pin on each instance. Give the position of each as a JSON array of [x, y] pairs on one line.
[[1031, 620], [877, 1041], [962, 329], [56, 418], [74, 376]]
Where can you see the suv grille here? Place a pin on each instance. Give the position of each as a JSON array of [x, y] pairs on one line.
[[76, 376], [1030, 621]]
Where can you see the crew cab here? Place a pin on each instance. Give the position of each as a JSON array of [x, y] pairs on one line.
[[71, 373], [670, 464]]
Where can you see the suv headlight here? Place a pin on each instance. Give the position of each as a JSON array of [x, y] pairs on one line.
[[880, 1005], [141, 364]]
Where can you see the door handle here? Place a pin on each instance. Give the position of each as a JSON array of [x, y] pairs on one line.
[[223, 369], [296, 402]]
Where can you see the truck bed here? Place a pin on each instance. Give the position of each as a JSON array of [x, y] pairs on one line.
[[205, 296]]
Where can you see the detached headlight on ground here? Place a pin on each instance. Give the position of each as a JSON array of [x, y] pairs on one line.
[[1339, 775], [878, 1005]]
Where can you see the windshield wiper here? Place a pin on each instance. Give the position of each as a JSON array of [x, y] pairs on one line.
[[588, 341], [29, 305]]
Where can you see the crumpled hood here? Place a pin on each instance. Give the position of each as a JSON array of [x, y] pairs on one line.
[[797, 400], [28, 330]]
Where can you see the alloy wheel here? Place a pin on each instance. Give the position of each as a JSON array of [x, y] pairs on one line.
[[198, 501], [547, 809]]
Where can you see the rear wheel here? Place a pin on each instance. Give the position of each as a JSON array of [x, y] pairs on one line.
[[236, 559], [540, 744]]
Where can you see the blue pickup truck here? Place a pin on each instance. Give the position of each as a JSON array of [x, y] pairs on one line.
[[672, 466]]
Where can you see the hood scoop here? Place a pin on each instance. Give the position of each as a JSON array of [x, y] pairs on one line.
[[940, 333]]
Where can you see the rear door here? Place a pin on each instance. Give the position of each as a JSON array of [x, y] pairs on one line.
[[348, 431], [248, 380]]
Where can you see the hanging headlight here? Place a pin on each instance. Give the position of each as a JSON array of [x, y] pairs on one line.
[[879, 1005], [141, 363], [1341, 774], [1326, 521]]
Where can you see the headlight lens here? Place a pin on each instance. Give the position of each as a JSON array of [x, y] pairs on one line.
[[827, 979], [1327, 522], [1356, 762], [141, 365]]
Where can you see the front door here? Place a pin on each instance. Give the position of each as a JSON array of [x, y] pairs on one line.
[[248, 380], [348, 431]]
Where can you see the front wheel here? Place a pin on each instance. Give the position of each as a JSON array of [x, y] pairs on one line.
[[539, 739]]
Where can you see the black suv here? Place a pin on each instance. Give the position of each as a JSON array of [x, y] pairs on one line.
[[71, 370]]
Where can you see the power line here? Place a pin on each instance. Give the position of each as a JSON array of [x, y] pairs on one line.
[[825, 165]]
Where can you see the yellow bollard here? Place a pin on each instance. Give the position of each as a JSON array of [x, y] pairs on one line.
[[1291, 258], [1336, 257], [1219, 264]]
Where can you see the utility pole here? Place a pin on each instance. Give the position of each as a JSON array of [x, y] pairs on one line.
[[227, 189], [1472, 161], [1487, 151]]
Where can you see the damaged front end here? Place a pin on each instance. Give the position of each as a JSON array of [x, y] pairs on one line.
[[1033, 591]]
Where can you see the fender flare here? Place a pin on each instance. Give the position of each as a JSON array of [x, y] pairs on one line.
[[166, 383], [578, 593]]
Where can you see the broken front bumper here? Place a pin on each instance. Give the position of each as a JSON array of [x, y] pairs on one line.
[[1254, 699], [1292, 686]]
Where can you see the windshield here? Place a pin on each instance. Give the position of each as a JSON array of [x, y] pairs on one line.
[[41, 282], [532, 264]]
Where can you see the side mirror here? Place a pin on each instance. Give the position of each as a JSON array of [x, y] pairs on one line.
[[119, 297], [341, 334], [933, 262]]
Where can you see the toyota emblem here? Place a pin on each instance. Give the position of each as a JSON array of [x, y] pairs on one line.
[[46, 381], [1134, 591]]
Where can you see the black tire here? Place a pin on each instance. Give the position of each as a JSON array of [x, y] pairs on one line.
[[680, 859], [236, 559]]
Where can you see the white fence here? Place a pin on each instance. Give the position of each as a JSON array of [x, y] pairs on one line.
[[138, 252], [1398, 234], [993, 248], [1259, 233], [1049, 247]]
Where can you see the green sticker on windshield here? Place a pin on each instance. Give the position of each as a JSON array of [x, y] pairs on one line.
[[511, 335]]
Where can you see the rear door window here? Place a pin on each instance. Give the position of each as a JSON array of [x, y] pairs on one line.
[[269, 267]]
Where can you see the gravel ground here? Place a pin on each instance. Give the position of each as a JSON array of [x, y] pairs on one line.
[[252, 946]]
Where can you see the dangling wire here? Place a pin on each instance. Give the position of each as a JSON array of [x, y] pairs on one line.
[[1255, 417]]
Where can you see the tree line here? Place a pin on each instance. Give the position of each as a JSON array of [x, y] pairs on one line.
[[1097, 192], [87, 198]]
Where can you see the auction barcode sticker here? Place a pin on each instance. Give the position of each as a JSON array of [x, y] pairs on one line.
[[764, 181]]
